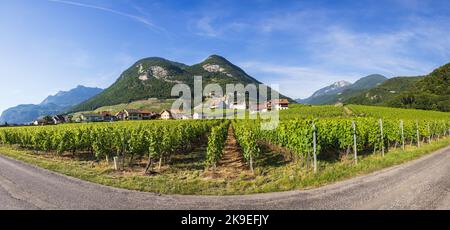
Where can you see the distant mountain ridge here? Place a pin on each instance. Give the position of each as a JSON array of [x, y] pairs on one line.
[[341, 90], [71, 97], [334, 88], [52, 105], [154, 77]]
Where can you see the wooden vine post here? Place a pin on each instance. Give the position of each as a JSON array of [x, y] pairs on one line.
[[417, 133], [382, 137], [355, 150], [314, 148], [115, 163], [251, 164], [429, 132], [403, 134]]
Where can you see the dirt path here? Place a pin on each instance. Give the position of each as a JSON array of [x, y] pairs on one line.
[[348, 111], [232, 163]]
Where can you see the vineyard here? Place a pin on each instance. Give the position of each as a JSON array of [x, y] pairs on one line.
[[384, 112], [310, 112], [155, 140], [305, 137]]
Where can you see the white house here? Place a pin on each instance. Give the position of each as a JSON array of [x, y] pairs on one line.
[[166, 114], [278, 104], [91, 117], [186, 117], [198, 116]]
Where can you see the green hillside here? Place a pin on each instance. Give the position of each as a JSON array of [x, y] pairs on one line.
[[154, 78], [431, 92], [152, 104], [388, 90], [368, 82]]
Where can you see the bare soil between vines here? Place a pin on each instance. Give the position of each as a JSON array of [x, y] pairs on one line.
[[232, 164]]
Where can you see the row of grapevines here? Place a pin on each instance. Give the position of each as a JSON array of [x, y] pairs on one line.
[[397, 113], [337, 134], [216, 143], [157, 139], [296, 111], [246, 133]]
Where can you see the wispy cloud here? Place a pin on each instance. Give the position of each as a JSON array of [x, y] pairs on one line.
[[329, 48], [136, 18], [391, 52], [413, 47], [296, 81], [217, 26], [296, 21], [205, 27], [320, 44]]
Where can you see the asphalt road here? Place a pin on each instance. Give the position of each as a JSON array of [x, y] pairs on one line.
[[420, 184]]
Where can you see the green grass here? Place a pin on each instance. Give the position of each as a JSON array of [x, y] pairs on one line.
[[186, 174], [152, 104]]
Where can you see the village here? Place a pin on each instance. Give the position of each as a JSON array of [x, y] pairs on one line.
[[166, 114]]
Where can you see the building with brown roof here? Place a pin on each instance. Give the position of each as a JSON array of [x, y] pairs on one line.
[[278, 104], [166, 115], [136, 114]]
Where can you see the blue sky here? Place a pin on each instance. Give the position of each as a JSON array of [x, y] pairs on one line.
[[47, 46]]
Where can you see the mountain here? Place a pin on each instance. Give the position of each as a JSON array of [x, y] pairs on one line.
[[388, 90], [326, 94], [342, 90], [52, 105], [71, 97], [23, 114], [430, 92], [335, 88], [368, 82], [154, 77]]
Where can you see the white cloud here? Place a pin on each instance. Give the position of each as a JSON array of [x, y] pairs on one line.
[[296, 81], [415, 46], [205, 27], [211, 26], [136, 18], [363, 51], [340, 53], [401, 52]]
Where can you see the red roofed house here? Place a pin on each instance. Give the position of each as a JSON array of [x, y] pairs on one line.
[[278, 104], [135, 114]]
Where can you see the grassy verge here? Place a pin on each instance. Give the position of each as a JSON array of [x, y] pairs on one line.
[[187, 176]]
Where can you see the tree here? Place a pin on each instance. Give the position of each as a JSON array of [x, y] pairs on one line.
[[48, 119]]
